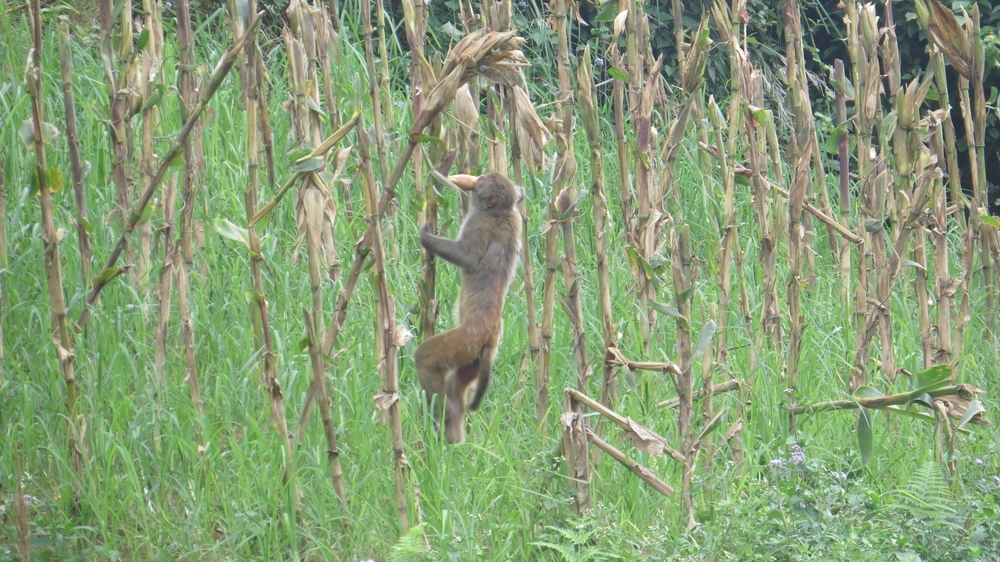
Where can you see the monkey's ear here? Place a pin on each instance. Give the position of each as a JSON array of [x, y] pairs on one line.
[[491, 200]]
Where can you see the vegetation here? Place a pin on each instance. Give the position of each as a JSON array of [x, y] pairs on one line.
[[743, 329]]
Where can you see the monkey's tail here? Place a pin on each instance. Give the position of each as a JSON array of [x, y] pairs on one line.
[[482, 381]]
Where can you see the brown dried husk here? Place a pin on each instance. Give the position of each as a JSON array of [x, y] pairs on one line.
[[529, 131], [492, 55]]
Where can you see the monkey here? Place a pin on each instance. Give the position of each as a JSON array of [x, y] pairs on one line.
[[486, 251]]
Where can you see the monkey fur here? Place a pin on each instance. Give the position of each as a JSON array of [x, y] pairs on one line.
[[486, 251]]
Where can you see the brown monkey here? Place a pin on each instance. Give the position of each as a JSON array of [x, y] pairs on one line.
[[486, 250]]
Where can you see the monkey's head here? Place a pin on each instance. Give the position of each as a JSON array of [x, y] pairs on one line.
[[490, 192]]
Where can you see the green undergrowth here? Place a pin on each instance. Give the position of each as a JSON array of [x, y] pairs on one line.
[[163, 484]]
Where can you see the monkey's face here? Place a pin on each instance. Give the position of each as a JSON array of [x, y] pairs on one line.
[[495, 192]]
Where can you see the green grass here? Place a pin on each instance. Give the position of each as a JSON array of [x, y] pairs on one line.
[[150, 493]]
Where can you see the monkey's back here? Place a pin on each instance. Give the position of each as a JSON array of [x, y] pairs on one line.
[[496, 239]]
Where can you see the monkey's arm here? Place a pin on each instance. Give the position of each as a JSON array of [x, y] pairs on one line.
[[448, 250]]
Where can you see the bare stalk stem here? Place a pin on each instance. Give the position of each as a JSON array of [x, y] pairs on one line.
[[262, 336], [373, 84], [62, 337], [76, 166], [194, 163], [683, 277], [386, 345]]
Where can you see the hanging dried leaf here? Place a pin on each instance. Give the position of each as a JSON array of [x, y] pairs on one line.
[[695, 62], [466, 111], [644, 439], [619, 25], [529, 131], [586, 101], [943, 30]]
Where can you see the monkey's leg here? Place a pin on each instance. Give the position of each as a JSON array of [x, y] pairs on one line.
[[432, 374], [482, 375], [435, 359], [456, 384]]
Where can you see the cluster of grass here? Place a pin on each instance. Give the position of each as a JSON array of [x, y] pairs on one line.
[[163, 484]]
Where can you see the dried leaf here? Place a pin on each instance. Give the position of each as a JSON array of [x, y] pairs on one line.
[[400, 335], [619, 25], [586, 100], [529, 131], [944, 32], [466, 111], [384, 400], [644, 439]]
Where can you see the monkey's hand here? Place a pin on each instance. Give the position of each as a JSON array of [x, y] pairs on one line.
[[426, 234]]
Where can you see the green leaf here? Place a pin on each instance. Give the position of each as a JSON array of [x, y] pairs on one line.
[[615, 72], [975, 407], [836, 135], [704, 339], [243, 11], [922, 416], [147, 213], [308, 164], [314, 105], [670, 310], [155, 97], [428, 139], [298, 154], [574, 287], [177, 164], [107, 276], [630, 381], [865, 435], [712, 425], [119, 4], [638, 262], [873, 226], [54, 179], [759, 114], [143, 39], [229, 230], [911, 263], [924, 399], [608, 14], [992, 221], [33, 180], [932, 378], [303, 344], [867, 392], [889, 124], [848, 89]]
